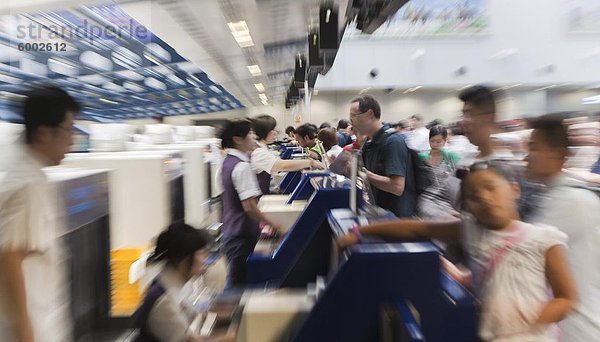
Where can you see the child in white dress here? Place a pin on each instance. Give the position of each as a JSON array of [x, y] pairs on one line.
[[520, 271]]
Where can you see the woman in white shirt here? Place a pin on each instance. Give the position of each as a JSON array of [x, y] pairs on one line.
[[264, 163], [165, 314]]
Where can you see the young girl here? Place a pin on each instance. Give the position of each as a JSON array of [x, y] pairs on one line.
[[241, 215], [264, 163], [163, 316], [512, 262]]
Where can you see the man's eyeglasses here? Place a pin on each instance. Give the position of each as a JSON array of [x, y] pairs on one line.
[[353, 115]]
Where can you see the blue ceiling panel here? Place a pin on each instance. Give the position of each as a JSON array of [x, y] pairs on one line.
[[113, 65]]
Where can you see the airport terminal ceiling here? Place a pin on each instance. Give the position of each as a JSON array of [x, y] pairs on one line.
[[117, 68], [124, 60]]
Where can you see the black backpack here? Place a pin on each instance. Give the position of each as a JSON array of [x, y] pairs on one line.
[[423, 173]]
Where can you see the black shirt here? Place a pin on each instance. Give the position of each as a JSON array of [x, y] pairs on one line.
[[387, 155]]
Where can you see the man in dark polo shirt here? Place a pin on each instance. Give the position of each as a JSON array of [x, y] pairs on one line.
[[386, 157]]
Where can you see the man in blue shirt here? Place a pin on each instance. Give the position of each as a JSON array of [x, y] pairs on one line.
[[342, 133], [386, 157]]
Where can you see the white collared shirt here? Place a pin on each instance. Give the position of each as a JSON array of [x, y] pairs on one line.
[[29, 222], [263, 159], [244, 179]]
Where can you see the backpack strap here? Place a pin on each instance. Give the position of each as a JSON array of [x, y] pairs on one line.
[[141, 315]]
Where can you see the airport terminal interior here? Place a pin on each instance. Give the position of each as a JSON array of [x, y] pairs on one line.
[[299, 170]]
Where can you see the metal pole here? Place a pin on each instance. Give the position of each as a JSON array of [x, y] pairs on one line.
[[354, 178]]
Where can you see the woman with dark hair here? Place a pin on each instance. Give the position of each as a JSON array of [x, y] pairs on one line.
[[435, 202], [241, 216], [164, 315], [289, 134], [264, 163], [438, 136]]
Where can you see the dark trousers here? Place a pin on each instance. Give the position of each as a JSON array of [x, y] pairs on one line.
[[237, 250]]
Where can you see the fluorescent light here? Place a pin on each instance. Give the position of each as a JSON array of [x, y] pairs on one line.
[[245, 41], [254, 70], [108, 101], [594, 86], [263, 97], [241, 33], [239, 26], [547, 87], [9, 79], [591, 100], [417, 54], [260, 87], [152, 58], [410, 90], [508, 87]]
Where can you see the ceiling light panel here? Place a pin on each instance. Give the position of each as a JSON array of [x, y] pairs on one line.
[[241, 33], [254, 70]]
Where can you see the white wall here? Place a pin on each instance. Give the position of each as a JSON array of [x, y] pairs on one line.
[[537, 28], [571, 101], [439, 104]]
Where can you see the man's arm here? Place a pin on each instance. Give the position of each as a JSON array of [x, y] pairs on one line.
[[12, 254], [295, 165], [11, 266], [396, 164], [250, 206], [392, 184], [563, 287]]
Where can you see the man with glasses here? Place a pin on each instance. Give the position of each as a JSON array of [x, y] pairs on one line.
[[386, 158], [478, 123], [31, 280]]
